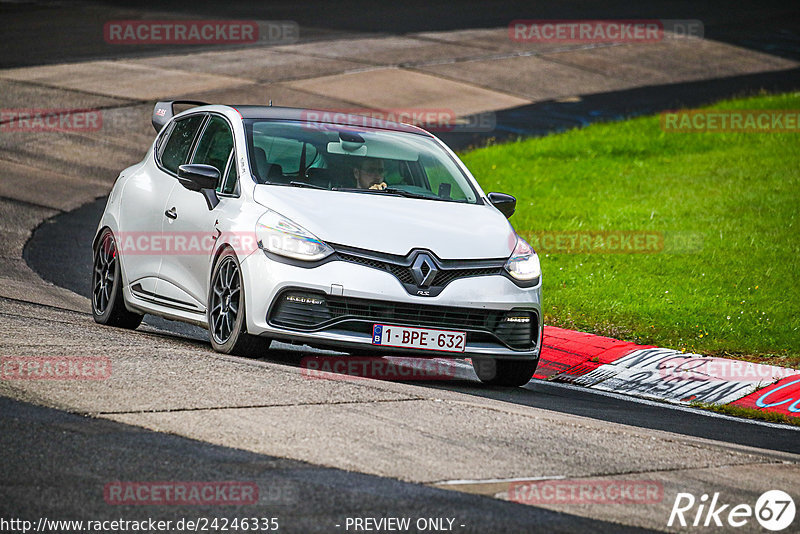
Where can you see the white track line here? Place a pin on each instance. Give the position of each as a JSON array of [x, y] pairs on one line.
[[494, 480]]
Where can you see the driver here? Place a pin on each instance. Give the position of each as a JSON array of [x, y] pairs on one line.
[[369, 174]]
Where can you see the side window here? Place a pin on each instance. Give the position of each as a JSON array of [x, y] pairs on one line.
[[215, 145], [180, 141]]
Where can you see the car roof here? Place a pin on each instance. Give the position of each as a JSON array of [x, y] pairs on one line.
[[339, 117]]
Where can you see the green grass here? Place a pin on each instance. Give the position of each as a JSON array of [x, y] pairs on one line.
[[736, 196]]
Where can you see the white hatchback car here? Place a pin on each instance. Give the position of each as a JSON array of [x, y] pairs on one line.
[[259, 223]]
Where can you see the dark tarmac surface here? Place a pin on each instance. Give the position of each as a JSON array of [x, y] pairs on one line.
[[55, 465], [36, 32]]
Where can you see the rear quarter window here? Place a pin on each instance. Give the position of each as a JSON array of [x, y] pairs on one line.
[[179, 143]]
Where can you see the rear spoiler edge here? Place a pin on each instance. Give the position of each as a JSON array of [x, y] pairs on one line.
[[164, 111]]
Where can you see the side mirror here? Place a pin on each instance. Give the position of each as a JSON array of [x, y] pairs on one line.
[[505, 203], [201, 178]]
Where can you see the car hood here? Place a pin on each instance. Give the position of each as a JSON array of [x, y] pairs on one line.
[[393, 224]]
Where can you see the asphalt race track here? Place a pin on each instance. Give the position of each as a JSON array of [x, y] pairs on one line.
[[67, 459]]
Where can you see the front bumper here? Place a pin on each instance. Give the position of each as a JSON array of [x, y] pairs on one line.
[[358, 296]]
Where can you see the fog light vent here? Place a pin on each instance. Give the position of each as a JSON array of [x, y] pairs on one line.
[[515, 328], [298, 310]]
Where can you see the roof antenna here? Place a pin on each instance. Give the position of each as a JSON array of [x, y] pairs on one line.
[[270, 102]]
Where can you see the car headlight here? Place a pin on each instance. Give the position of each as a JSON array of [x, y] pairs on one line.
[[279, 235], [523, 264]]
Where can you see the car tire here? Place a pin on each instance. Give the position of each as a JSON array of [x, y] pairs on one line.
[[108, 304], [227, 326], [497, 372]]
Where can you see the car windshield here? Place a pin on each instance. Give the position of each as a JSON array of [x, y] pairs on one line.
[[343, 158]]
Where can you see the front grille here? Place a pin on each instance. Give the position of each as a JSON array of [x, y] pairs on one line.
[[413, 314], [403, 272], [369, 262], [311, 311], [445, 277], [400, 272]]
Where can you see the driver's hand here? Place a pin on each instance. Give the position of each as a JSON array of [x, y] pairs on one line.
[[381, 185]]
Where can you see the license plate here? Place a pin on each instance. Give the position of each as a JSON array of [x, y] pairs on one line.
[[388, 335]]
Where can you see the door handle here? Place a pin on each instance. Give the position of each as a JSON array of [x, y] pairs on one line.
[[171, 213]]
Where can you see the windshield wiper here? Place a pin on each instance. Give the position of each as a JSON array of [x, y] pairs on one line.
[[386, 191], [404, 193], [306, 184]]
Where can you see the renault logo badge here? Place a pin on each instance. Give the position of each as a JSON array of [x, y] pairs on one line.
[[424, 270]]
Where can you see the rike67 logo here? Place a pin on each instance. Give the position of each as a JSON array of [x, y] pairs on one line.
[[774, 510]]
